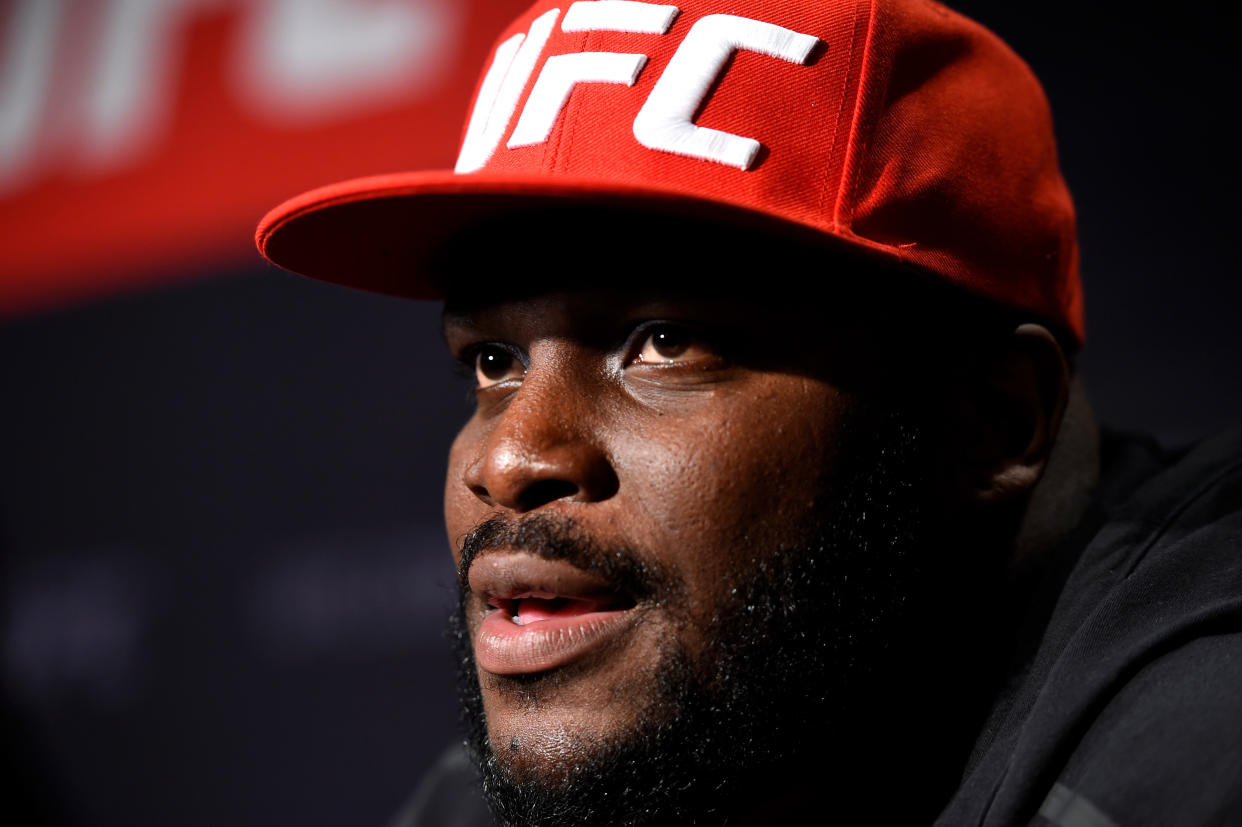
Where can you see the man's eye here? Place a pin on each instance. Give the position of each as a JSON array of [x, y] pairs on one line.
[[669, 344], [494, 364]]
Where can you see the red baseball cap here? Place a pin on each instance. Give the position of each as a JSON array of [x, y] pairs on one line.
[[894, 127]]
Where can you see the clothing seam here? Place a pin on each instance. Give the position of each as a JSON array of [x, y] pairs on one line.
[[1177, 513]]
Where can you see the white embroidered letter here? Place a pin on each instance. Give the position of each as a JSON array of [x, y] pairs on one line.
[[619, 16], [498, 96], [559, 76], [664, 123]]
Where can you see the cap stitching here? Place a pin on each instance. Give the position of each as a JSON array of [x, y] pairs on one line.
[[836, 124], [845, 189]]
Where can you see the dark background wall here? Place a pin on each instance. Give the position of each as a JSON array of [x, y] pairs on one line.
[[223, 568]]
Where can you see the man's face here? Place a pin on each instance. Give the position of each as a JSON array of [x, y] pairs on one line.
[[650, 501]]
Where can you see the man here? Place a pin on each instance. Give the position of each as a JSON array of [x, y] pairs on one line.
[[781, 500]]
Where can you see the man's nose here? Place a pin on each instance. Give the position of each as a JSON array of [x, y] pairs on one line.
[[546, 447]]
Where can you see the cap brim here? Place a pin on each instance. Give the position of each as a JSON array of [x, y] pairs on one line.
[[380, 233]]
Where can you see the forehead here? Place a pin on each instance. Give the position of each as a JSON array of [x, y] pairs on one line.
[[591, 245], [581, 269], [580, 308], [603, 260], [587, 266]]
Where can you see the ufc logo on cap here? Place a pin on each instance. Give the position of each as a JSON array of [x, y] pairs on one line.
[[665, 122]]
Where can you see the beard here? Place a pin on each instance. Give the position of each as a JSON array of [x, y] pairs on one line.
[[798, 654]]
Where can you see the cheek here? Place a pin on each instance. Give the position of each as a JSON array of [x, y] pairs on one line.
[[462, 509], [722, 485]]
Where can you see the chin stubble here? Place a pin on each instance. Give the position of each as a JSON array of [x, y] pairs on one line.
[[798, 642]]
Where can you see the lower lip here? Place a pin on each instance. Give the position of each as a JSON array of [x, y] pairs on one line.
[[503, 647]]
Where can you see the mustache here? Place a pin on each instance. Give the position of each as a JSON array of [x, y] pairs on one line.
[[559, 538]]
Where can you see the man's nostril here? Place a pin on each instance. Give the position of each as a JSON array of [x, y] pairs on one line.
[[542, 492]]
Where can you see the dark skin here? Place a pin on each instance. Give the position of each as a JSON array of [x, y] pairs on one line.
[[634, 447], [699, 432]]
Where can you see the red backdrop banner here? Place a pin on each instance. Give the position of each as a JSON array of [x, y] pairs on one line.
[[141, 140]]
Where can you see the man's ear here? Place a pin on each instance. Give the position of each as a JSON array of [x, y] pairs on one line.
[[1007, 414]]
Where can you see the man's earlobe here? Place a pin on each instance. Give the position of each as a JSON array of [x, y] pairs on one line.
[[1016, 402]]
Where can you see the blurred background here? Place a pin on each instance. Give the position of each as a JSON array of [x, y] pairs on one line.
[[222, 566]]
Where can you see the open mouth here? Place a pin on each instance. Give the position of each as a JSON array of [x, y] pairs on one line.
[[545, 614], [541, 607]]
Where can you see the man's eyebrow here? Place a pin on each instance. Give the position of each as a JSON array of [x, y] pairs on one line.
[[456, 319]]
